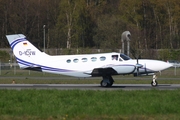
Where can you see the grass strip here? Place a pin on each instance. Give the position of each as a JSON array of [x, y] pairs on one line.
[[77, 104], [86, 81]]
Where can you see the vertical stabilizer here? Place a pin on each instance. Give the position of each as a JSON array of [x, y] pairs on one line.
[[27, 55]]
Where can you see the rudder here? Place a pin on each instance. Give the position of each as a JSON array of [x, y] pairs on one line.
[[27, 55]]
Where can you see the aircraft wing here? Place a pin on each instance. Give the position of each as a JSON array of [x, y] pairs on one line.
[[103, 71], [112, 70]]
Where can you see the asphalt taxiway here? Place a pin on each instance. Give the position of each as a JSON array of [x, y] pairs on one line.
[[90, 86]]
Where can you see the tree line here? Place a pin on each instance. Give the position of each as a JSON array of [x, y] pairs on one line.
[[153, 24]]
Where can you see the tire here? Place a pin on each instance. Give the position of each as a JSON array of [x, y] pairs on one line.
[[154, 84], [104, 84]]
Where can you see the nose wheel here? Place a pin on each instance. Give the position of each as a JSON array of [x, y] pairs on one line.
[[154, 84]]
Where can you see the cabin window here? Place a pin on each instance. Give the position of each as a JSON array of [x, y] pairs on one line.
[[75, 60], [102, 58], [114, 57], [93, 59], [84, 59], [68, 61]]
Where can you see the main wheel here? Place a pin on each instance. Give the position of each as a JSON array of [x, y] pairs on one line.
[[110, 84], [104, 84], [154, 84]]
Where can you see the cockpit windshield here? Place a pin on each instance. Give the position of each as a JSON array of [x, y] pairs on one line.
[[124, 57]]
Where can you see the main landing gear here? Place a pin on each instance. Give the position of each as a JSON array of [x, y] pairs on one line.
[[154, 83], [107, 81]]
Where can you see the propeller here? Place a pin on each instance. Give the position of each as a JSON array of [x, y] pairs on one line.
[[134, 53], [138, 66], [145, 69]]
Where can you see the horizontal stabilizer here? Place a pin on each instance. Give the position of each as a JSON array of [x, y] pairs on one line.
[[34, 68]]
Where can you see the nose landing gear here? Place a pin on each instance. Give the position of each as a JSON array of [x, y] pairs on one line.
[[154, 83]]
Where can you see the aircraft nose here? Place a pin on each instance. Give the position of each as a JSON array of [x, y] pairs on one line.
[[164, 65], [157, 65]]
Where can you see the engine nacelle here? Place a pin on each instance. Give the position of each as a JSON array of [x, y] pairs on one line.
[[143, 74]]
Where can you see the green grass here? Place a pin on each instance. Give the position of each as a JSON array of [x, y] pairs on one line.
[[85, 81], [89, 105], [171, 72], [80, 105], [24, 77], [33, 77]]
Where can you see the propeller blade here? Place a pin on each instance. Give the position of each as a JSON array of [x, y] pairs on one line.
[[138, 66], [145, 69]]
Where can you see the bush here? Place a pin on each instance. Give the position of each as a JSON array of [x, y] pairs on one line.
[[4, 56]]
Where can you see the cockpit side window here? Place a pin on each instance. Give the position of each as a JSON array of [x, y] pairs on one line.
[[114, 57], [120, 59], [124, 57]]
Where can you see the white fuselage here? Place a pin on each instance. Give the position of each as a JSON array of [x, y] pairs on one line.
[[83, 65], [86, 65]]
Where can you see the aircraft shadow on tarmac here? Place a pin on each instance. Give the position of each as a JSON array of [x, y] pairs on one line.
[[137, 86]]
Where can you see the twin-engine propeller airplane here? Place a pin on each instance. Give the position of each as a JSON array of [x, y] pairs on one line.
[[84, 65]]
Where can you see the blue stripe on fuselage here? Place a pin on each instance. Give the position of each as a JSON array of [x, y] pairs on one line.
[[28, 64]]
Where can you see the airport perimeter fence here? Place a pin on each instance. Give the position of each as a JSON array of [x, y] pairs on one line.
[[12, 69]]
